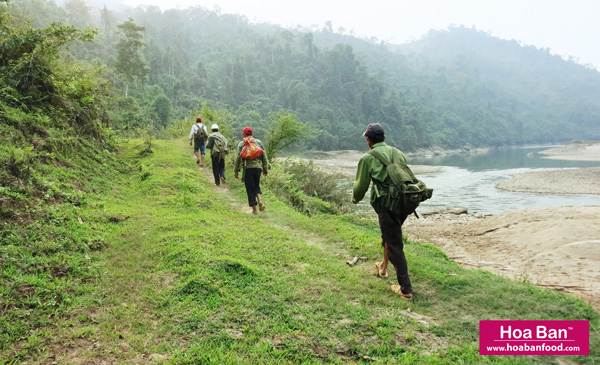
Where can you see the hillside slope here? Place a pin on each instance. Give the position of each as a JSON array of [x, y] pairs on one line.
[[189, 276]]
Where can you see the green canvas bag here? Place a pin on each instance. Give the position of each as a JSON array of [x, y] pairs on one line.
[[404, 191], [220, 149], [200, 136]]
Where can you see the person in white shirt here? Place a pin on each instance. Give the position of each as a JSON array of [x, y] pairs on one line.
[[199, 135]]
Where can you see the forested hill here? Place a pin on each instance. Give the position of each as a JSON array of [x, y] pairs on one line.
[[540, 90], [453, 87]]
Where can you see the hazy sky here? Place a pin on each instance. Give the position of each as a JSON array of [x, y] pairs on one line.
[[567, 27]]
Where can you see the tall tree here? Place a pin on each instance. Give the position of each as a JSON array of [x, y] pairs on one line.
[[78, 13], [130, 61]]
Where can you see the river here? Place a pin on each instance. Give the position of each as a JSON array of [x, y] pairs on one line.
[[468, 181]]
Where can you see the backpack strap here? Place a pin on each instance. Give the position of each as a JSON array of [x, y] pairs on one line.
[[400, 162], [395, 157], [380, 185], [378, 155], [406, 171]]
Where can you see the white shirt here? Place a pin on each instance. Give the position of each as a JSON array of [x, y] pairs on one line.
[[195, 129]]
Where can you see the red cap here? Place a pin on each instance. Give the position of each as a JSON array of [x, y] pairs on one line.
[[247, 131], [198, 120]]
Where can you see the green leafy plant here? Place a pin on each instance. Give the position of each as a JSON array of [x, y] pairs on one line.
[[144, 171], [284, 130], [307, 187], [19, 163]]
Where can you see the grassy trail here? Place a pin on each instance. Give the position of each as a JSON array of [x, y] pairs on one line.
[[189, 276]]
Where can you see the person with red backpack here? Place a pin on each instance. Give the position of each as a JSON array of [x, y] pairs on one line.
[[252, 158]]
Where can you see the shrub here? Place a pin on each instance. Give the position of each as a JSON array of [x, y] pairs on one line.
[[308, 188]]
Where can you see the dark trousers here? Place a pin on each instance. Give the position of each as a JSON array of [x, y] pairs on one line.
[[218, 167], [252, 182], [391, 232]]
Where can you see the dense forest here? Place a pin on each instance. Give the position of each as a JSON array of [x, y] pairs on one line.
[[452, 88]]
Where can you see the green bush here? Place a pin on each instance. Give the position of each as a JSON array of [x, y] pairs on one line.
[[308, 188]]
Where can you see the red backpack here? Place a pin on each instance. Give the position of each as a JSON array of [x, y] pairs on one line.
[[250, 151]]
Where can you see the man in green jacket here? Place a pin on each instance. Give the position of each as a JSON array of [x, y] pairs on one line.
[[371, 169], [252, 171], [217, 144]]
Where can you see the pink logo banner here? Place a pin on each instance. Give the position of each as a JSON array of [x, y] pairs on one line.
[[534, 337]]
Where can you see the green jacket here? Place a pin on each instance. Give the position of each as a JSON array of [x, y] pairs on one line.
[[370, 168], [259, 162]]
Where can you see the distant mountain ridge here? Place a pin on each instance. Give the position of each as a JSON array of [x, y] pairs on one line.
[[451, 88]]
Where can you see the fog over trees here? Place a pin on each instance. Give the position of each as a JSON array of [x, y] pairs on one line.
[[451, 88]]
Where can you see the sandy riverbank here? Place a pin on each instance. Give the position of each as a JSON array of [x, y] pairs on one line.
[[561, 181], [552, 247], [575, 152]]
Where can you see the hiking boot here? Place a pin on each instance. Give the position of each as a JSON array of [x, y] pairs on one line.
[[398, 290], [197, 162]]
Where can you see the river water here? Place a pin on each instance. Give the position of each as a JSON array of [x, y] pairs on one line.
[[468, 181]]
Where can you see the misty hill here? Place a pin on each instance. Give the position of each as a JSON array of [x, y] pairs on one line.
[[561, 91], [450, 88]]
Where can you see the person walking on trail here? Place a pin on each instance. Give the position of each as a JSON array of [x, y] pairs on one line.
[[217, 144], [198, 135], [252, 158], [371, 169]]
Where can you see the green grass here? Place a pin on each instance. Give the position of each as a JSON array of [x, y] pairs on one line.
[[186, 275]]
